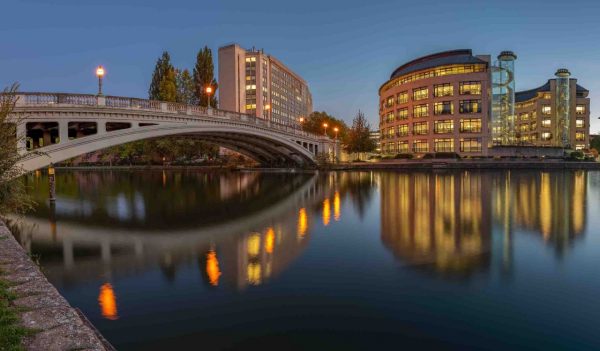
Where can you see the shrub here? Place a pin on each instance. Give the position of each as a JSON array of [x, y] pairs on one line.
[[404, 156]]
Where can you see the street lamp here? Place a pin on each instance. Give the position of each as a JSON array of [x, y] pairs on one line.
[[268, 109], [209, 91], [100, 74], [336, 130], [325, 125], [301, 120]]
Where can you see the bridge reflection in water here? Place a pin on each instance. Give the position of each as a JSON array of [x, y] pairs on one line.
[[244, 229]]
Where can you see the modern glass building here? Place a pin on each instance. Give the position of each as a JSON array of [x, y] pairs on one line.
[[256, 83], [454, 101]]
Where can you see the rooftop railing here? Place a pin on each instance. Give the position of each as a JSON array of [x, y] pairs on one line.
[[117, 102]]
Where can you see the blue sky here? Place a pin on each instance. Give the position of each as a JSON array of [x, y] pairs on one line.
[[344, 49]]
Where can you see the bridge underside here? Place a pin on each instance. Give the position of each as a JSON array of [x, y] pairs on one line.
[[268, 149]]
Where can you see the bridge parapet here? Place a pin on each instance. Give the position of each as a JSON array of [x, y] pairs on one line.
[[117, 102]]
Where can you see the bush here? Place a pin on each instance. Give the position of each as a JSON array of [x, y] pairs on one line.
[[447, 155], [404, 156]]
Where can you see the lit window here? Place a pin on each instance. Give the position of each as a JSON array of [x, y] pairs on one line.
[[389, 102], [420, 146], [403, 146], [579, 136], [546, 123], [420, 111], [524, 116], [470, 145], [443, 145], [402, 113], [546, 136], [389, 117], [546, 109], [579, 123], [420, 94], [403, 130], [403, 97], [443, 108], [443, 90], [547, 96], [443, 127], [470, 106], [469, 88], [470, 125], [420, 128], [580, 109], [579, 147]]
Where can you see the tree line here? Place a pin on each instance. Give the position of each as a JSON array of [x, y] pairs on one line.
[[173, 84]]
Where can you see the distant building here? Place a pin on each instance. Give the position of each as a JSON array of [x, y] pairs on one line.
[[376, 136], [455, 101], [253, 82]]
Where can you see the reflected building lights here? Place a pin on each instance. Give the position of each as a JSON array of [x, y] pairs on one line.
[[326, 212], [270, 241], [108, 302], [302, 223], [212, 268], [336, 206]]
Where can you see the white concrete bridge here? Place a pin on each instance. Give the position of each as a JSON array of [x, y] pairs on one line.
[[63, 126]]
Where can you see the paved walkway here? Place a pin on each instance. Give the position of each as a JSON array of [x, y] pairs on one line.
[[59, 325]]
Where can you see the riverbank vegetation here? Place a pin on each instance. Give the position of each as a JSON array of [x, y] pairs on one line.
[[13, 198]]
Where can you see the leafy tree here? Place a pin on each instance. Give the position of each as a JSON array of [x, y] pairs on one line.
[[186, 91], [359, 138], [595, 143], [13, 197], [163, 65], [168, 86], [314, 124], [204, 75]]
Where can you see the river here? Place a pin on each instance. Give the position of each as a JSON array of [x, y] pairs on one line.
[[186, 260]]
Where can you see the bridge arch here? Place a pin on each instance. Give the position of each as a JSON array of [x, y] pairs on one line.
[[266, 142]]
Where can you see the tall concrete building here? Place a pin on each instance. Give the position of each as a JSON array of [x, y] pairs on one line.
[[455, 101], [256, 83]]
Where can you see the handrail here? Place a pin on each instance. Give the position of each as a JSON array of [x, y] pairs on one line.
[[35, 99]]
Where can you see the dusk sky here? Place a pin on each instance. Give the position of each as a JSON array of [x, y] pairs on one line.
[[344, 49]]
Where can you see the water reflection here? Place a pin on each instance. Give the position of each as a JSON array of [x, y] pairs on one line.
[[243, 234], [108, 302], [445, 221]]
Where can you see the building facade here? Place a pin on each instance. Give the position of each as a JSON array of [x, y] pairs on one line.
[[540, 114], [256, 83], [437, 103], [455, 101]]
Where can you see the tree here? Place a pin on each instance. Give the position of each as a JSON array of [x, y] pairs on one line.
[[168, 86], [314, 124], [359, 138], [13, 197], [163, 65], [595, 143], [204, 76], [186, 91]]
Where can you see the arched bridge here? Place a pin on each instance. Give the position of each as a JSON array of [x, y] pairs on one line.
[[62, 126]]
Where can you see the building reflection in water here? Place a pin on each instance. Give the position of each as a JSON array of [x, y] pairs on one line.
[[445, 222], [337, 205], [302, 223], [326, 212], [108, 302]]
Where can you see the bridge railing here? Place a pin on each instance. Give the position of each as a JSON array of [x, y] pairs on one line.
[[57, 99]]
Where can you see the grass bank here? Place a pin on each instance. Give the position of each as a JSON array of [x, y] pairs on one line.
[[11, 332]]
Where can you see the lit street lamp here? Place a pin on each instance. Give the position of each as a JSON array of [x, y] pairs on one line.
[[325, 125], [209, 91], [100, 75], [336, 130], [268, 109]]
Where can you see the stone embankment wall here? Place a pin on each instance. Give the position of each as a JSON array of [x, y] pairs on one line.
[[57, 325]]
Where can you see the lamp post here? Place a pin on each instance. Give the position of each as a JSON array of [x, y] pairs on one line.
[[268, 109], [336, 130], [325, 125], [209, 91], [100, 74]]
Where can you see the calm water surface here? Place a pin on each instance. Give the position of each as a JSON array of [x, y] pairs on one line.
[[357, 260]]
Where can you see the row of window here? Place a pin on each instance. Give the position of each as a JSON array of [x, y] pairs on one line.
[[439, 108], [439, 145], [439, 90], [436, 72], [439, 127]]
